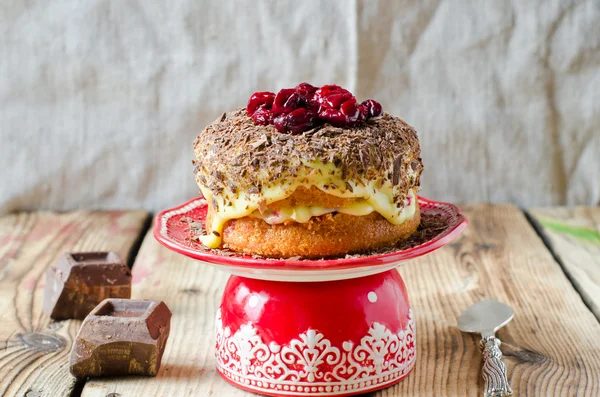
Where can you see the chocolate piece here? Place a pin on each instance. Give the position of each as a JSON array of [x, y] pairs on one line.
[[82, 280], [121, 337]]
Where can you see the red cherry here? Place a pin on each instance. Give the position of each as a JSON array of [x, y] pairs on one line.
[[330, 89], [373, 107], [332, 96], [352, 112], [334, 101], [263, 116], [333, 117], [298, 109], [305, 89], [258, 100], [312, 105], [364, 111], [307, 94], [295, 122], [285, 101], [296, 100]]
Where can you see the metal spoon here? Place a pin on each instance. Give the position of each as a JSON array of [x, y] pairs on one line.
[[486, 317]]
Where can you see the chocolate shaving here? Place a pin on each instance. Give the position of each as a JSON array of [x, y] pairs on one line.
[[232, 187], [396, 170], [196, 227]]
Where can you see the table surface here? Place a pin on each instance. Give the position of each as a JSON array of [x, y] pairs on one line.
[[545, 263]]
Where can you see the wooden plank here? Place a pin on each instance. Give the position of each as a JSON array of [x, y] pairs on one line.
[[552, 347], [34, 351], [574, 236]]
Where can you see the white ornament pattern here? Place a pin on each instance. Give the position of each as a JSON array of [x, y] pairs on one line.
[[311, 365]]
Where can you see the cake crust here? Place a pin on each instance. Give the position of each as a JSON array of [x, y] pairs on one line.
[[321, 237]]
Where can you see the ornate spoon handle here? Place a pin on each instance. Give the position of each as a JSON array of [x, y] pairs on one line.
[[494, 371]]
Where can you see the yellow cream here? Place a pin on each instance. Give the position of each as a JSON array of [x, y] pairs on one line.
[[377, 196], [302, 214]]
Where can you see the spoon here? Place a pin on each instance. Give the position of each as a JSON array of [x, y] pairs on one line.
[[486, 317]]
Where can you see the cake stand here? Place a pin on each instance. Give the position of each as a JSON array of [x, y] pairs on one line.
[[296, 327]]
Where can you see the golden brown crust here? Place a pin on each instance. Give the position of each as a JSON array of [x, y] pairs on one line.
[[324, 236]]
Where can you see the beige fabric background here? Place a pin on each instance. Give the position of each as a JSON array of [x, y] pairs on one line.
[[100, 100]]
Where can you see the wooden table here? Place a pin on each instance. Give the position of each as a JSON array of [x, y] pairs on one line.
[[545, 263]]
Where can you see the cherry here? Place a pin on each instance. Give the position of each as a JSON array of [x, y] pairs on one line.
[[295, 122], [333, 116], [263, 116], [294, 110], [307, 94], [305, 90], [334, 101], [364, 110], [352, 112], [286, 100], [258, 100], [373, 107], [332, 96]]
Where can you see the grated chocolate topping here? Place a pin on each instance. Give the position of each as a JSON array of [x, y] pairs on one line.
[[233, 154]]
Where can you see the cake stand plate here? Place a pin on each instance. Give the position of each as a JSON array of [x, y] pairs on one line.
[[330, 327]]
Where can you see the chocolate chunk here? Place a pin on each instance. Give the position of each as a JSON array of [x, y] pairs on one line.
[[80, 281], [121, 337]]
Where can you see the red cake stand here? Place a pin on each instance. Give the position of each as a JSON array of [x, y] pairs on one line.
[[294, 327]]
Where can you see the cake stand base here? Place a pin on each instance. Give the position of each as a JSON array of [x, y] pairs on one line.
[[286, 328], [332, 338]]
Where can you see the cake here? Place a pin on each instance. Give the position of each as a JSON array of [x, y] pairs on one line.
[[308, 172]]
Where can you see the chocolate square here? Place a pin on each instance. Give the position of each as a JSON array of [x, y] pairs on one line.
[[81, 280], [121, 337]]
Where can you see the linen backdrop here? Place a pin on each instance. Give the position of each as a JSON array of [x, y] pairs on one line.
[[100, 100]]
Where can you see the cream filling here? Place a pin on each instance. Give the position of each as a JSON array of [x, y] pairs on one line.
[[325, 176], [375, 199], [302, 214]]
